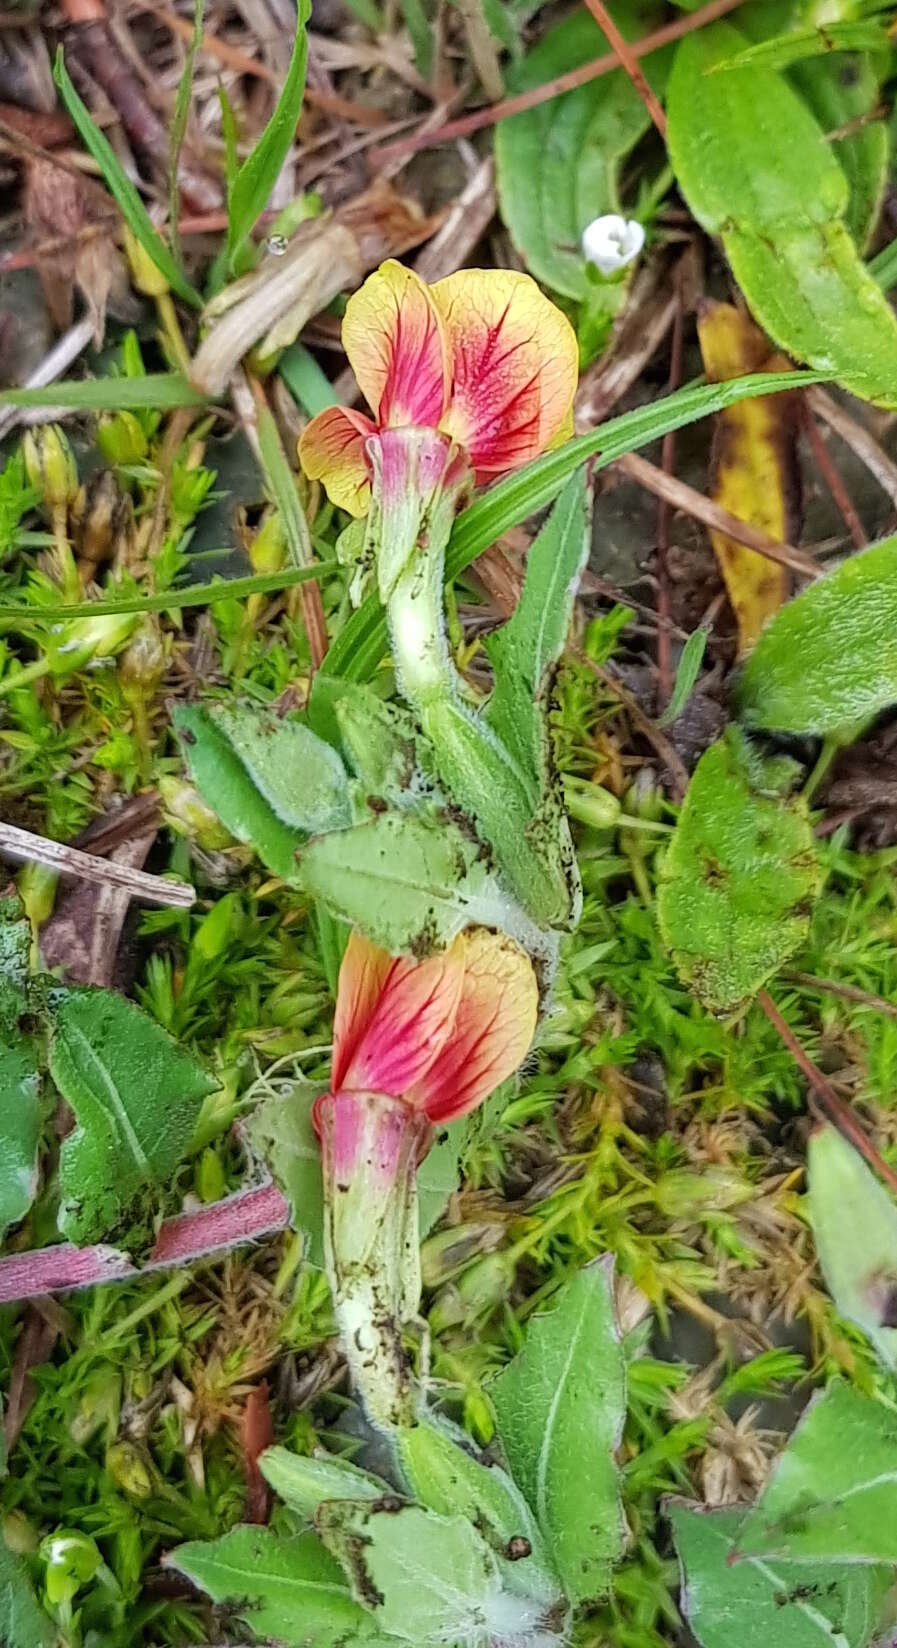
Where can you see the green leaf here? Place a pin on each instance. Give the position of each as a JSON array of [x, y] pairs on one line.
[[558, 165], [282, 485], [136, 1096], [756, 1604], [281, 1586], [844, 92], [256, 178], [269, 780], [855, 34], [524, 652], [773, 189], [832, 1495], [445, 1477], [739, 877], [179, 127], [159, 391], [855, 1225], [302, 779], [280, 1133], [15, 964], [20, 1122], [123, 192], [430, 1580], [304, 1482], [168, 600], [410, 882], [828, 661], [22, 1623], [560, 1407], [686, 675], [362, 642]]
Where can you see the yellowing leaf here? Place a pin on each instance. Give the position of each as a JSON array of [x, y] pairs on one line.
[[754, 466]]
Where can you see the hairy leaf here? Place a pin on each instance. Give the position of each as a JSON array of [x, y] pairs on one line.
[[301, 778], [136, 1097], [855, 1225], [560, 1407], [305, 1482], [19, 1134], [832, 1495], [828, 661], [224, 783], [739, 876], [23, 1624], [283, 1586], [759, 1604]]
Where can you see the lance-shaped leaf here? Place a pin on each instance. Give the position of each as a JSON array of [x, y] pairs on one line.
[[446, 1478], [828, 661], [136, 1097], [855, 1225], [760, 1604], [429, 1580], [284, 1587], [271, 781], [739, 877], [558, 165], [754, 467], [773, 189], [560, 1407], [305, 1482], [832, 1496]]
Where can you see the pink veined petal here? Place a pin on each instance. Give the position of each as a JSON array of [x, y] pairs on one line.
[[391, 1045], [514, 360], [394, 338], [494, 1026], [362, 975], [332, 450]]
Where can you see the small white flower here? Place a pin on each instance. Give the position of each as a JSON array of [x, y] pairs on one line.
[[611, 241]]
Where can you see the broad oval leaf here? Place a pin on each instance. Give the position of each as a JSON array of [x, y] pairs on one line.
[[739, 877], [832, 1495], [560, 1407], [773, 189], [558, 165], [284, 1587], [758, 1604], [136, 1096], [828, 661], [855, 1225]]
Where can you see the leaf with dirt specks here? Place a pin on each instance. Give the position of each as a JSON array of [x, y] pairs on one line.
[[283, 1586], [761, 1604], [136, 1096], [832, 1495], [560, 1407], [740, 875]]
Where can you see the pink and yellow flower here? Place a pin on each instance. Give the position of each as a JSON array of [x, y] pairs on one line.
[[416, 1043], [482, 357]]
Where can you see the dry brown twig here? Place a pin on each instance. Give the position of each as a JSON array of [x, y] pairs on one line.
[[56, 855]]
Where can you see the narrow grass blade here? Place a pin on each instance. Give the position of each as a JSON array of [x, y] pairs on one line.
[[171, 600], [256, 178], [160, 391], [179, 129]]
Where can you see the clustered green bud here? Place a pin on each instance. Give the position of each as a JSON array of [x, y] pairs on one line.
[[50, 466]]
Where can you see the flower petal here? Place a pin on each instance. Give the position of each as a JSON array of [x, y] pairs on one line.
[[493, 1029], [514, 363], [394, 338], [393, 1016], [331, 449]]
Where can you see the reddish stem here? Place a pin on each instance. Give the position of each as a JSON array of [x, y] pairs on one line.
[[240, 1218]]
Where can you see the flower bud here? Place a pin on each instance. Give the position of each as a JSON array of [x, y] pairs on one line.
[[91, 640], [50, 465], [18, 1534], [611, 242], [267, 551], [147, 278], [142, 664], [129, 1470], [72, 1559], [98, 1407], [100, 514], [475, 1294], [208, 1176], [121, 439], [187, 814], [591, 804]]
